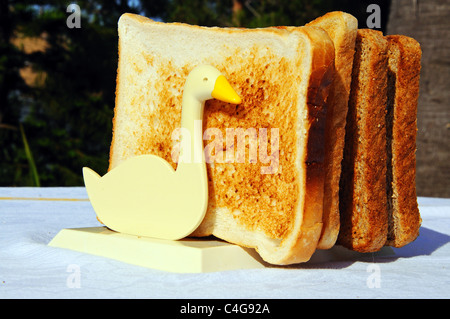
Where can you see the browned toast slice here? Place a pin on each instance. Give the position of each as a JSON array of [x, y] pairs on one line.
[[363, 204], [401, 122], [342, 28]]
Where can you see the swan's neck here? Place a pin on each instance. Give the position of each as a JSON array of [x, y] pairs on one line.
[[191, 150]]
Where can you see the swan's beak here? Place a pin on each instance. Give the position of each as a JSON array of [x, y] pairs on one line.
[[224, 92]]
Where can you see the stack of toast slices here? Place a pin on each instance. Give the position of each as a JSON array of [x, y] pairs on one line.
[[337, 105], [378, 202]]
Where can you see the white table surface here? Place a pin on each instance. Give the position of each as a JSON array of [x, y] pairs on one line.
[[29, 268]]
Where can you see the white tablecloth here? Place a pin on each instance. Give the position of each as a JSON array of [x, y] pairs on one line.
[[29, 268]]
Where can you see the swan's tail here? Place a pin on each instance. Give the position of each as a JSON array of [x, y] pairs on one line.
[[91, 178]]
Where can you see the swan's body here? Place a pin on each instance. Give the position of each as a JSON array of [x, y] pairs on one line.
[[145, 196]]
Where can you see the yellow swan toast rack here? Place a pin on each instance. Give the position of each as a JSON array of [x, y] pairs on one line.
[[145, 196]]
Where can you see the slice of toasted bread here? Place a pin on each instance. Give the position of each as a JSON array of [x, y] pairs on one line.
[[401, 120], [342, 28], [273, 204], [363, 203]]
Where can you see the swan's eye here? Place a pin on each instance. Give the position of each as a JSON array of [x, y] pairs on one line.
[[205, 79]]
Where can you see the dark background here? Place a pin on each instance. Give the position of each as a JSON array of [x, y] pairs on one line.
[[57, 84]]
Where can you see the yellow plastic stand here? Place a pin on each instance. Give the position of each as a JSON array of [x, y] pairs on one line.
[[188, 255]]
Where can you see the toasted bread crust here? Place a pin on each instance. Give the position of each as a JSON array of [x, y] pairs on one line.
[[363, 205], [114, 124], [403, 75], [342, 28]]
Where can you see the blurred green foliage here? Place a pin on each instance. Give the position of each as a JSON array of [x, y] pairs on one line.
[[51, 129]]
